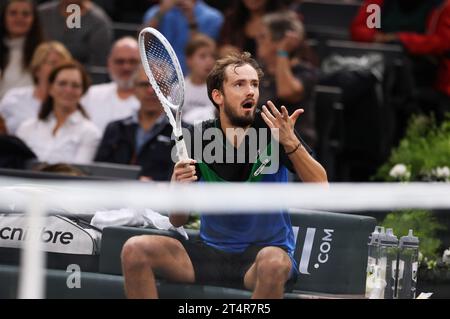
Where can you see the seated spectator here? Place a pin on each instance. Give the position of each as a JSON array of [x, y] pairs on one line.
[[63, 132], [178, 20], [20, 34], [242, 24], [288, 80], [200, 58], [21, 104], [423, 28], [112, 101], [143, 139], [90, 43]]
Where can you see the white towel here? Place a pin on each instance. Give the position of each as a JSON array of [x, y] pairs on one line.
[[134, 217]]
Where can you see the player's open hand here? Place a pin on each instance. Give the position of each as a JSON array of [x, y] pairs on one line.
[[184, 171], [281, 124]]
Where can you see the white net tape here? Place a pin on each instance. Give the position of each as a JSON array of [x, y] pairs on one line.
[[88, 197]]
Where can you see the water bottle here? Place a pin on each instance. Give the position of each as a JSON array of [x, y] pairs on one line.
[[372, 260], [388, 262], [408, 266]]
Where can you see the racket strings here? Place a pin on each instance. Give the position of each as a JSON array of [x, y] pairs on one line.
[[163, 70]]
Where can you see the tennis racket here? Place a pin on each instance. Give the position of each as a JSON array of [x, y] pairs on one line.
[[164, 73]]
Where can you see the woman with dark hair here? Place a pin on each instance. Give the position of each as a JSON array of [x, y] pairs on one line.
[[243, 22], [63, 133], [20, 34]]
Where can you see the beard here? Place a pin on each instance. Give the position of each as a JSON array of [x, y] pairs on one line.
[[123, 84], [237, 120]]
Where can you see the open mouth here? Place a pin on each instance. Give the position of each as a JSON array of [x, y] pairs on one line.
[[248, 104]]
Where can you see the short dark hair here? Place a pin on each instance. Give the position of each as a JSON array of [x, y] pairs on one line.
[[279, 23], [217, 76], [47, 105]]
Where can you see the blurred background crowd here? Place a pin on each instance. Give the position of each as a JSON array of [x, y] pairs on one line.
[[79, 95]]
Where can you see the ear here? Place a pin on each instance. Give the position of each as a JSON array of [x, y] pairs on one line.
[[217, 97]]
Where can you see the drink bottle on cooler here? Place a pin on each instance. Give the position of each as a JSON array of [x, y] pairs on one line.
[[372, 260], [408, 266], [388, 262]]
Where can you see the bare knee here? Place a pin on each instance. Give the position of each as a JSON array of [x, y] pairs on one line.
[[273, 266], [141, 251]]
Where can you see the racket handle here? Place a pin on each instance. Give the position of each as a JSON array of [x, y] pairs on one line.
[[182, 150]]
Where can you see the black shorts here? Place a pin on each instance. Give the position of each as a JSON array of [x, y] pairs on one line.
[[219, 268]]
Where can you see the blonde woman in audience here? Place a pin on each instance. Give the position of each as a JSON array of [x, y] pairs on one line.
[[21, 104], [63, 133], [20, 34]]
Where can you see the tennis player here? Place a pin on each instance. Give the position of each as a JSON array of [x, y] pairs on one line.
[[251, 251]]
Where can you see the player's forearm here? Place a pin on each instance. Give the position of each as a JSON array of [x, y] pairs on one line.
[[306, 167]]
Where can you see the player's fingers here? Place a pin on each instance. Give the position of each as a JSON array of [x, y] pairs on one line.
[[297, 113], [268, 114], [284, 112], [274, 110], [268, 122], [189, 179], [185, 175], [185, 163], [185, 170]]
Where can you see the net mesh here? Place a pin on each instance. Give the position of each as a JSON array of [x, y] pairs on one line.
[[163, 70]]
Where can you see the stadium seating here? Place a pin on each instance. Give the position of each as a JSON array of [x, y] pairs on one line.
[[328, 19], [368, 106]]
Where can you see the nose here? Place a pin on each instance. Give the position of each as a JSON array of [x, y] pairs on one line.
[[250, 90]]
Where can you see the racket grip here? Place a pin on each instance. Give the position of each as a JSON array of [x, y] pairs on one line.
[[182, 150]]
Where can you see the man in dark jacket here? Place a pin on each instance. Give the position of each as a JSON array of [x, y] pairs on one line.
[[142, 139]]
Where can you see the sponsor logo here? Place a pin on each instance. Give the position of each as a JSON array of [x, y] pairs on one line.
[[46, 235], [324, 249]]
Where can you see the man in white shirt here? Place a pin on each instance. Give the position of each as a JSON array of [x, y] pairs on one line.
[[113, 101]]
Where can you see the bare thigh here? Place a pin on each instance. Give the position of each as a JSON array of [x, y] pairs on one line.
[[166, 256]]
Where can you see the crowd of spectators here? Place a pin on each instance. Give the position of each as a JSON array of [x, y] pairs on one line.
[[45, 98]]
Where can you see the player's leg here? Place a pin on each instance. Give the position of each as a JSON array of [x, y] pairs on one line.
[[269, 273], [145, 256]]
